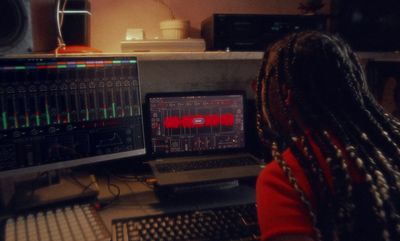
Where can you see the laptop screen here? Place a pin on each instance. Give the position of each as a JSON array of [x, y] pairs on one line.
[[201, 122]]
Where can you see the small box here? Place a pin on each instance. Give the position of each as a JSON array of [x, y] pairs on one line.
[[134, 34]]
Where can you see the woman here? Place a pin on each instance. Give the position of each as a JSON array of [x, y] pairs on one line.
[[335, 169]]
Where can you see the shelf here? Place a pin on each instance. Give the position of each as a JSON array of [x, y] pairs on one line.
[[164, 56], [379, 56], [234, 55], [210, 55], [188, 56]]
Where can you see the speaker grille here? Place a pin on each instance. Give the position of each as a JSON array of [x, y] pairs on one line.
[[15, 26]]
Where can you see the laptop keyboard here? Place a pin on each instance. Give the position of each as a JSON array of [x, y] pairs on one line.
[[205, 164]]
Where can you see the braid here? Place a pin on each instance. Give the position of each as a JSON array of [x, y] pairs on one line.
[[259, 93], [379, 188], [341, 178], [335, 104], [265, 134], [305, 156], [387, 121]]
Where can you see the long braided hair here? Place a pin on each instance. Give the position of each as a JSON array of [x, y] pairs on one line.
[[332, 101]]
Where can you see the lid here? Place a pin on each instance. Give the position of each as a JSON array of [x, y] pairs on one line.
[[174, 23]]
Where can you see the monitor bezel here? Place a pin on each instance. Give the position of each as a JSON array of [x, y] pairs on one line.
[[147, 118]]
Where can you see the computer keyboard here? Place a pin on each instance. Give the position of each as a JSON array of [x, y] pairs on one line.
[[205, 164], [237, 222], [78, 222]]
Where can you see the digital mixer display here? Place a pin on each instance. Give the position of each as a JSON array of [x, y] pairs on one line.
[[196, 123], [76, 109]]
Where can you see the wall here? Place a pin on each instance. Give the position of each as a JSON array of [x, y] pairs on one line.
[[111, 18], [44, 25]]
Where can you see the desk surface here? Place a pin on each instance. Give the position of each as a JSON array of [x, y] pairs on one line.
[[138, 198]]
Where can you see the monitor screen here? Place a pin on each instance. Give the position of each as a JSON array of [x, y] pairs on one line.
[[184, 123], [68, 111]]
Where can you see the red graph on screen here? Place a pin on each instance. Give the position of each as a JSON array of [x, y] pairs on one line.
[[195, 121]]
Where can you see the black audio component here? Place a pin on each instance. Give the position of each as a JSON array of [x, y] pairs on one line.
[[15, 27], [76, 25], [368, 25], [79, 110], [253, 32]]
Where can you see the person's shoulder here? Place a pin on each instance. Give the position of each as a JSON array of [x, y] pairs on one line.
[[273, 177], [280, 210], [273, 171], [273, 168]]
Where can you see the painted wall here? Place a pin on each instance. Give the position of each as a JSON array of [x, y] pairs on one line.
[[111, 18]]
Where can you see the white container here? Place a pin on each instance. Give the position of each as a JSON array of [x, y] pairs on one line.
[[174, 29]]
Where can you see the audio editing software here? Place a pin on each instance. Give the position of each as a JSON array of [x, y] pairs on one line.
[[60, 109], [196, 123]]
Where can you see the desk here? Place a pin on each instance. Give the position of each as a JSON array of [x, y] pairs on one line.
[[135, 198]]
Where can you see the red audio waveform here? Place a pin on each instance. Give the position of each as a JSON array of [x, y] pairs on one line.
[[192, 121]]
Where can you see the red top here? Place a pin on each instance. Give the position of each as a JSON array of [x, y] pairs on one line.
[[280, 210]]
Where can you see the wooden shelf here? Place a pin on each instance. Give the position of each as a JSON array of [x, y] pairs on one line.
[[379, 56], [162, 56], [235, 55], [210, 55]]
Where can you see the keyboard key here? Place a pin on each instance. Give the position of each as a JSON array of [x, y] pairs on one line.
[[68, 224], [10, 230]]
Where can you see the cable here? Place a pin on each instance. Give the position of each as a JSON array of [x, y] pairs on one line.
[[168, 7], [86, 187], [115, 189], [109, 185], [60, 21], [116, 195], [141, 179]]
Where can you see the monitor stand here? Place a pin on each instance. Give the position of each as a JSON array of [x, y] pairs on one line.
[[52, 188], [166, 192]]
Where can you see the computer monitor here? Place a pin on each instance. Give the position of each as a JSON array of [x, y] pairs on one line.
[[60, 112], [196, 122]]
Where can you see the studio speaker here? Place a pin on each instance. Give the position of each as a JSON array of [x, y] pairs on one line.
[[368, 25], [15, 27]]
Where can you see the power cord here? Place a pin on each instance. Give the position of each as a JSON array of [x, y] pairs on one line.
[[60, 21], [114, 190], [147, 181], [85, 187], [168, 7]]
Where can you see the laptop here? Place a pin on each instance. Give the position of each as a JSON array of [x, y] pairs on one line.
[[198, 137]]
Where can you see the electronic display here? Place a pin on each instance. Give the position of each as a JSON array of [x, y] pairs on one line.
[[67, 111], [196, 122]]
